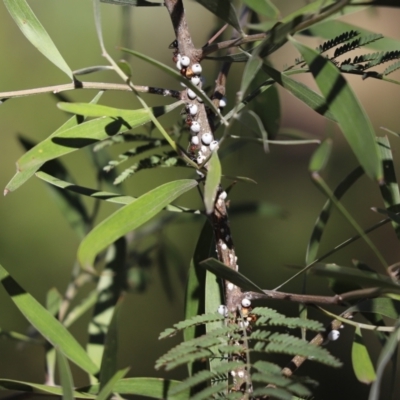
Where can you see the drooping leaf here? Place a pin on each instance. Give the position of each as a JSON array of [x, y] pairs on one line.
[[223, 9], [384, 358], [320, 156], [362, 364], [250, 119], [224, 272], [213, 180], [110, 385], [87, 133], [322, 220], [382, 306], [155, 388], [35, 33], [249, 73], [46, 324], [129, 218], [67, 382], [301, 91], [347, 110], [29, 387]]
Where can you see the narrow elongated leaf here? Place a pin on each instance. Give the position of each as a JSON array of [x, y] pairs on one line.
[[250, 120], [228, 274], [384, 358], [301, 91], [249, 73], [390, 188], [175, 74], [46, 324], [35, 33], [67, 383], [155, 388], [347, 110], [263, 7], [130, 217], [223, 9], [137, 3], [29, 387], [328, 29], [213, 181], [324, 215], [362, 364], [320, 157], [22, 176], [109, 387], [85, 134], [382, 306]]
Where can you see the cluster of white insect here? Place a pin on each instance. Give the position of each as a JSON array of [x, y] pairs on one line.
[[202, 141]]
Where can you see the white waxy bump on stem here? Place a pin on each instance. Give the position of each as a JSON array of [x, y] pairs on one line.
[[179, 65], [195, 140], [200, 159], [214, 145], [223, 195], [333, 335], [222, 102], [192, 95], [204, 149], [196, 68], [207, 138], [223, 310], [193, 109], [195, 127], [195, 80], [246, 303], [185, 61]]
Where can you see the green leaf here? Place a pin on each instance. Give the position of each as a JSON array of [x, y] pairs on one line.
[[28, 387], [384, 358], [155, 388], [320, 156], [324, 215], [52, 330], [249, 73], [89, 132], [382, 306], [330, 28], [347, 110], [213, 181], [35, 33], [67, 383], [195, 296], [364, 278], [224, 272], [110, 385], [137, 3], [129, 218], [301, 91], [22, 176], [362, 364], [175, 74], [250, 119], [223, 9], [263, 7]]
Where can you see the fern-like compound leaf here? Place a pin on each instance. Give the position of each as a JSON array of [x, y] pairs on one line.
[[391, 68], [355, 44], [343, 37], [196, 320]]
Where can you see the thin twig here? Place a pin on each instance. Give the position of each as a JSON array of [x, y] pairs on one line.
[[88, 85]]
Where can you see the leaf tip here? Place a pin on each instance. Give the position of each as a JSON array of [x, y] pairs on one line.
[[6, 191]]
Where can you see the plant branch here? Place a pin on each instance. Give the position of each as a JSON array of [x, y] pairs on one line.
[[307, 21], [88, 85]]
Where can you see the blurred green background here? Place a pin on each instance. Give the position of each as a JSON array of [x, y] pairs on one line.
[[38, 247]]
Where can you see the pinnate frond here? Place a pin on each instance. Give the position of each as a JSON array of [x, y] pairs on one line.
[[343, 37]]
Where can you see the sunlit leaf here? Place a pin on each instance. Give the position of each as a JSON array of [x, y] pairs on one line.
[[129, 218], [67, 383], [362, 364], [35, 33], [108, 388], [87, 133], [347, 110], [46, 324], [249, 73], [213, 181]]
